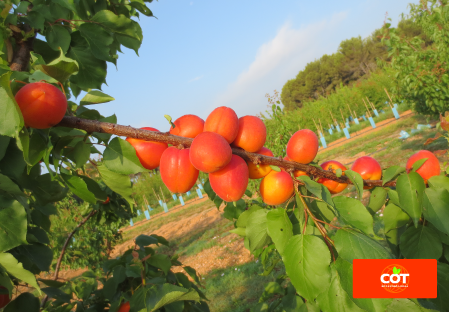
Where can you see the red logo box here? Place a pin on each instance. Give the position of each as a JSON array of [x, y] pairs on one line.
[[390, 278]]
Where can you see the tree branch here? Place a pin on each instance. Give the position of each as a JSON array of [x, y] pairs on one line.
[[105, 127]]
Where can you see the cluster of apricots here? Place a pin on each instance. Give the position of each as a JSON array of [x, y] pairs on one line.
[[44, 105]]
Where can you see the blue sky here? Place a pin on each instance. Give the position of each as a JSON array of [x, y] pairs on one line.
[[198, 55]]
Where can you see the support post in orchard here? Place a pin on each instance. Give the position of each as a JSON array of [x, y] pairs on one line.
[[370, 118], [373, 107], [393, 108]]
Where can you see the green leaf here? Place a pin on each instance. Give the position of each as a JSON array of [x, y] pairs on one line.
[[377, 199], [25, 302], [307, 260], [94, 188], [80, 154], [46, 190], [119, 183], [79, 188], [8, 186], [256, 230], [52, 283], [239, 231], [439, 182], [435, 208], [39, 75], [421, 242], [279, 228], [39, 254], [391, 173], [13, 267], [357, 180], [410, 188], [57, 293], [119, 24], [442, 300], [96, 97], [35, 20], [33, 147], [58, 37], [401, 305], [344, 269], [244, 217], [352, 212], [12, 120], [13, 232], [140, 5], [160, 261], [92, 71], [318, 190], [192, 272], [120, 156], [129, 42], [291, 303], [336, 298], [60, 68], [393, 197], [352, 245], [4, 142], [394, 217], [338, 172], [98, 39], [232, 210], [145, 240], [271, 289], [275, 168], [161, 295], [418, 164]]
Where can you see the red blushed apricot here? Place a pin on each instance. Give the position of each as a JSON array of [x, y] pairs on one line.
[[303, 146], [223, 120], [333, 186], [251, 135], [276, 187], [188, 126], [368, 168], [261, 171], [148, 152], [124, 307], [231, 181], [177, 172], [430, 168], [210, 152], [42, 105], [4, 299], [296, 173]]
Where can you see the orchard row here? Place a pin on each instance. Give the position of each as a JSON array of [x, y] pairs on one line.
[[43, 105]]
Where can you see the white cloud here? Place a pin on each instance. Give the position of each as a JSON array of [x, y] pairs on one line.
[[196, 78], [277, 61]]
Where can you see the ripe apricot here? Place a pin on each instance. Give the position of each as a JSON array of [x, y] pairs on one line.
[[210, 152], [124, 307], [261, 171], [107, 201], [430, 168], [42, 105], [188, 126], [223, 120], [148, 152], [177, 172], [231, 181], [251, 135], [276, 187], [368, 168], [303, 146], [4, 299], [333, 186], [296, 173]]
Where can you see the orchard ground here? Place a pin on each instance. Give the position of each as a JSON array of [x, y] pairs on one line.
[[200, 235]]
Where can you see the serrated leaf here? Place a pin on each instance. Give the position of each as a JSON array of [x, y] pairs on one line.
[[96, 97], [120, 156], [439, 182], [119, 24], [418, 164], [393, 197], [410, 188], [13, 232], [352, 245], [377, 199], [435, 208], [318, 190], [394, 217], [161, 295], [353, 212], [98, 39], [279, 228], [60, 68], [442, 300], [79, 188], [421, 242], [307, 260], [94, 188], [58, 37], [80, 154], [256, 230], [357, 180], [391, 173], [13, 267]]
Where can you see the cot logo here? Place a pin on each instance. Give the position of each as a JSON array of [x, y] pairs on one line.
[[395, 278]]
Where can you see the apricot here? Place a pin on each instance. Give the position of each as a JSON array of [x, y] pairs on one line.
[[261, 171], [276, 187], [223, 120], [188, 126], [296, 173], [303, 146], [210, 152], [231, 181], [4, 299], [42, 105], [177, 172], [124, 307], [333, 186], [430, 168], [148, 152], [368, 168], [251, 135]]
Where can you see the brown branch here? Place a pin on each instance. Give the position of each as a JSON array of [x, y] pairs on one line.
[[105, 127], [58, 264]]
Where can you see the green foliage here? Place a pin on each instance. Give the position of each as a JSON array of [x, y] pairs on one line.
[[420, 68]]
